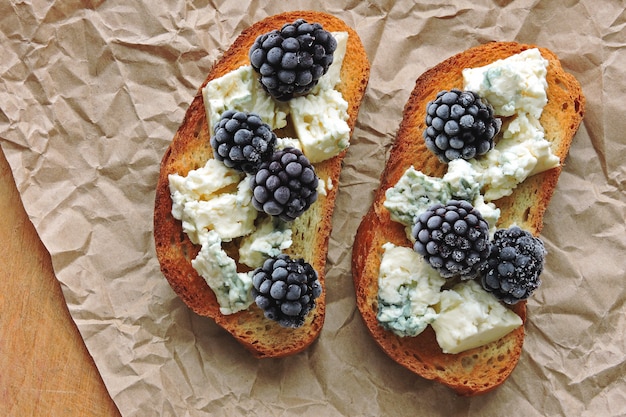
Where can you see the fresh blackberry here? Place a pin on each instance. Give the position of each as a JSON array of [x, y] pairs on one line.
[[459, 125], [285, 289], [291, 60], [242, 140], [511, 272], [454, 239], [285, 186]]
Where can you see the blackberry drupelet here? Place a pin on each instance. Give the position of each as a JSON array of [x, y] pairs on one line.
[[454, 239], [285, 289], [285, 186], [291, 60], [242, 140], [511, 272], [459, 125]]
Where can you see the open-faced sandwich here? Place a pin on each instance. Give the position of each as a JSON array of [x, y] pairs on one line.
[[447, 255], [247, 187]]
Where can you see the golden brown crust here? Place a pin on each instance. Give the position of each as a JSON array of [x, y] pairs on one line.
[[190, 149], [482, 369]]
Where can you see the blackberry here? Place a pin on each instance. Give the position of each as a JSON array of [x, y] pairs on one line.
[[285, 186], [459, 125], [291, 60], [511, 272], [242, 140], [454, 239], [285, 289]]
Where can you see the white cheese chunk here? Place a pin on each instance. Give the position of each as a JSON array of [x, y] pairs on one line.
[[408, 290], [269, 239], [413, 194], [513, 85], [231, 215], [320, 118], [320, 121], [231, 288], [470, 317], [207, 199], [521, 152], [240, 90]]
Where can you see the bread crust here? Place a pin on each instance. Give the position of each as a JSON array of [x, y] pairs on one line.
[[190, 149], [482, 369]]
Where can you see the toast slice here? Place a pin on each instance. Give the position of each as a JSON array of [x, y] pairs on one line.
[[481, 369], [190, 149]]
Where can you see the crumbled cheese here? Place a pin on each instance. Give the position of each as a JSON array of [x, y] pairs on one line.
[[269, 239], [513, 85], [469, 317], [408, 290], [231, 288], [207, 199]]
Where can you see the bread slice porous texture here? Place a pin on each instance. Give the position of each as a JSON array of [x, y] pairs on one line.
[[190, 149], [478, 370]]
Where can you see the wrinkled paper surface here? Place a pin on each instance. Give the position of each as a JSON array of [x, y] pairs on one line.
[[91, 94]]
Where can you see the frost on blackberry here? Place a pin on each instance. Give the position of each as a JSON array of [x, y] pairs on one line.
[[290, 61], [242, 140], [285, 289], [511, 272], [285, 186], [454, 239], [459, 125]]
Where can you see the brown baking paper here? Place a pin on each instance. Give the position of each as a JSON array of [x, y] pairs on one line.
[[91, 94]]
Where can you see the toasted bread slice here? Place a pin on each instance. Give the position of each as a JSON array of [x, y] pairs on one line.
[[190, 149], [481, 369]]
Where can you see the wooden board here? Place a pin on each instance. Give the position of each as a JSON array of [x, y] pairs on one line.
[[45, 368]]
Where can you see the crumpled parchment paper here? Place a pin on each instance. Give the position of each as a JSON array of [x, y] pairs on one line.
[[91, 94]]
